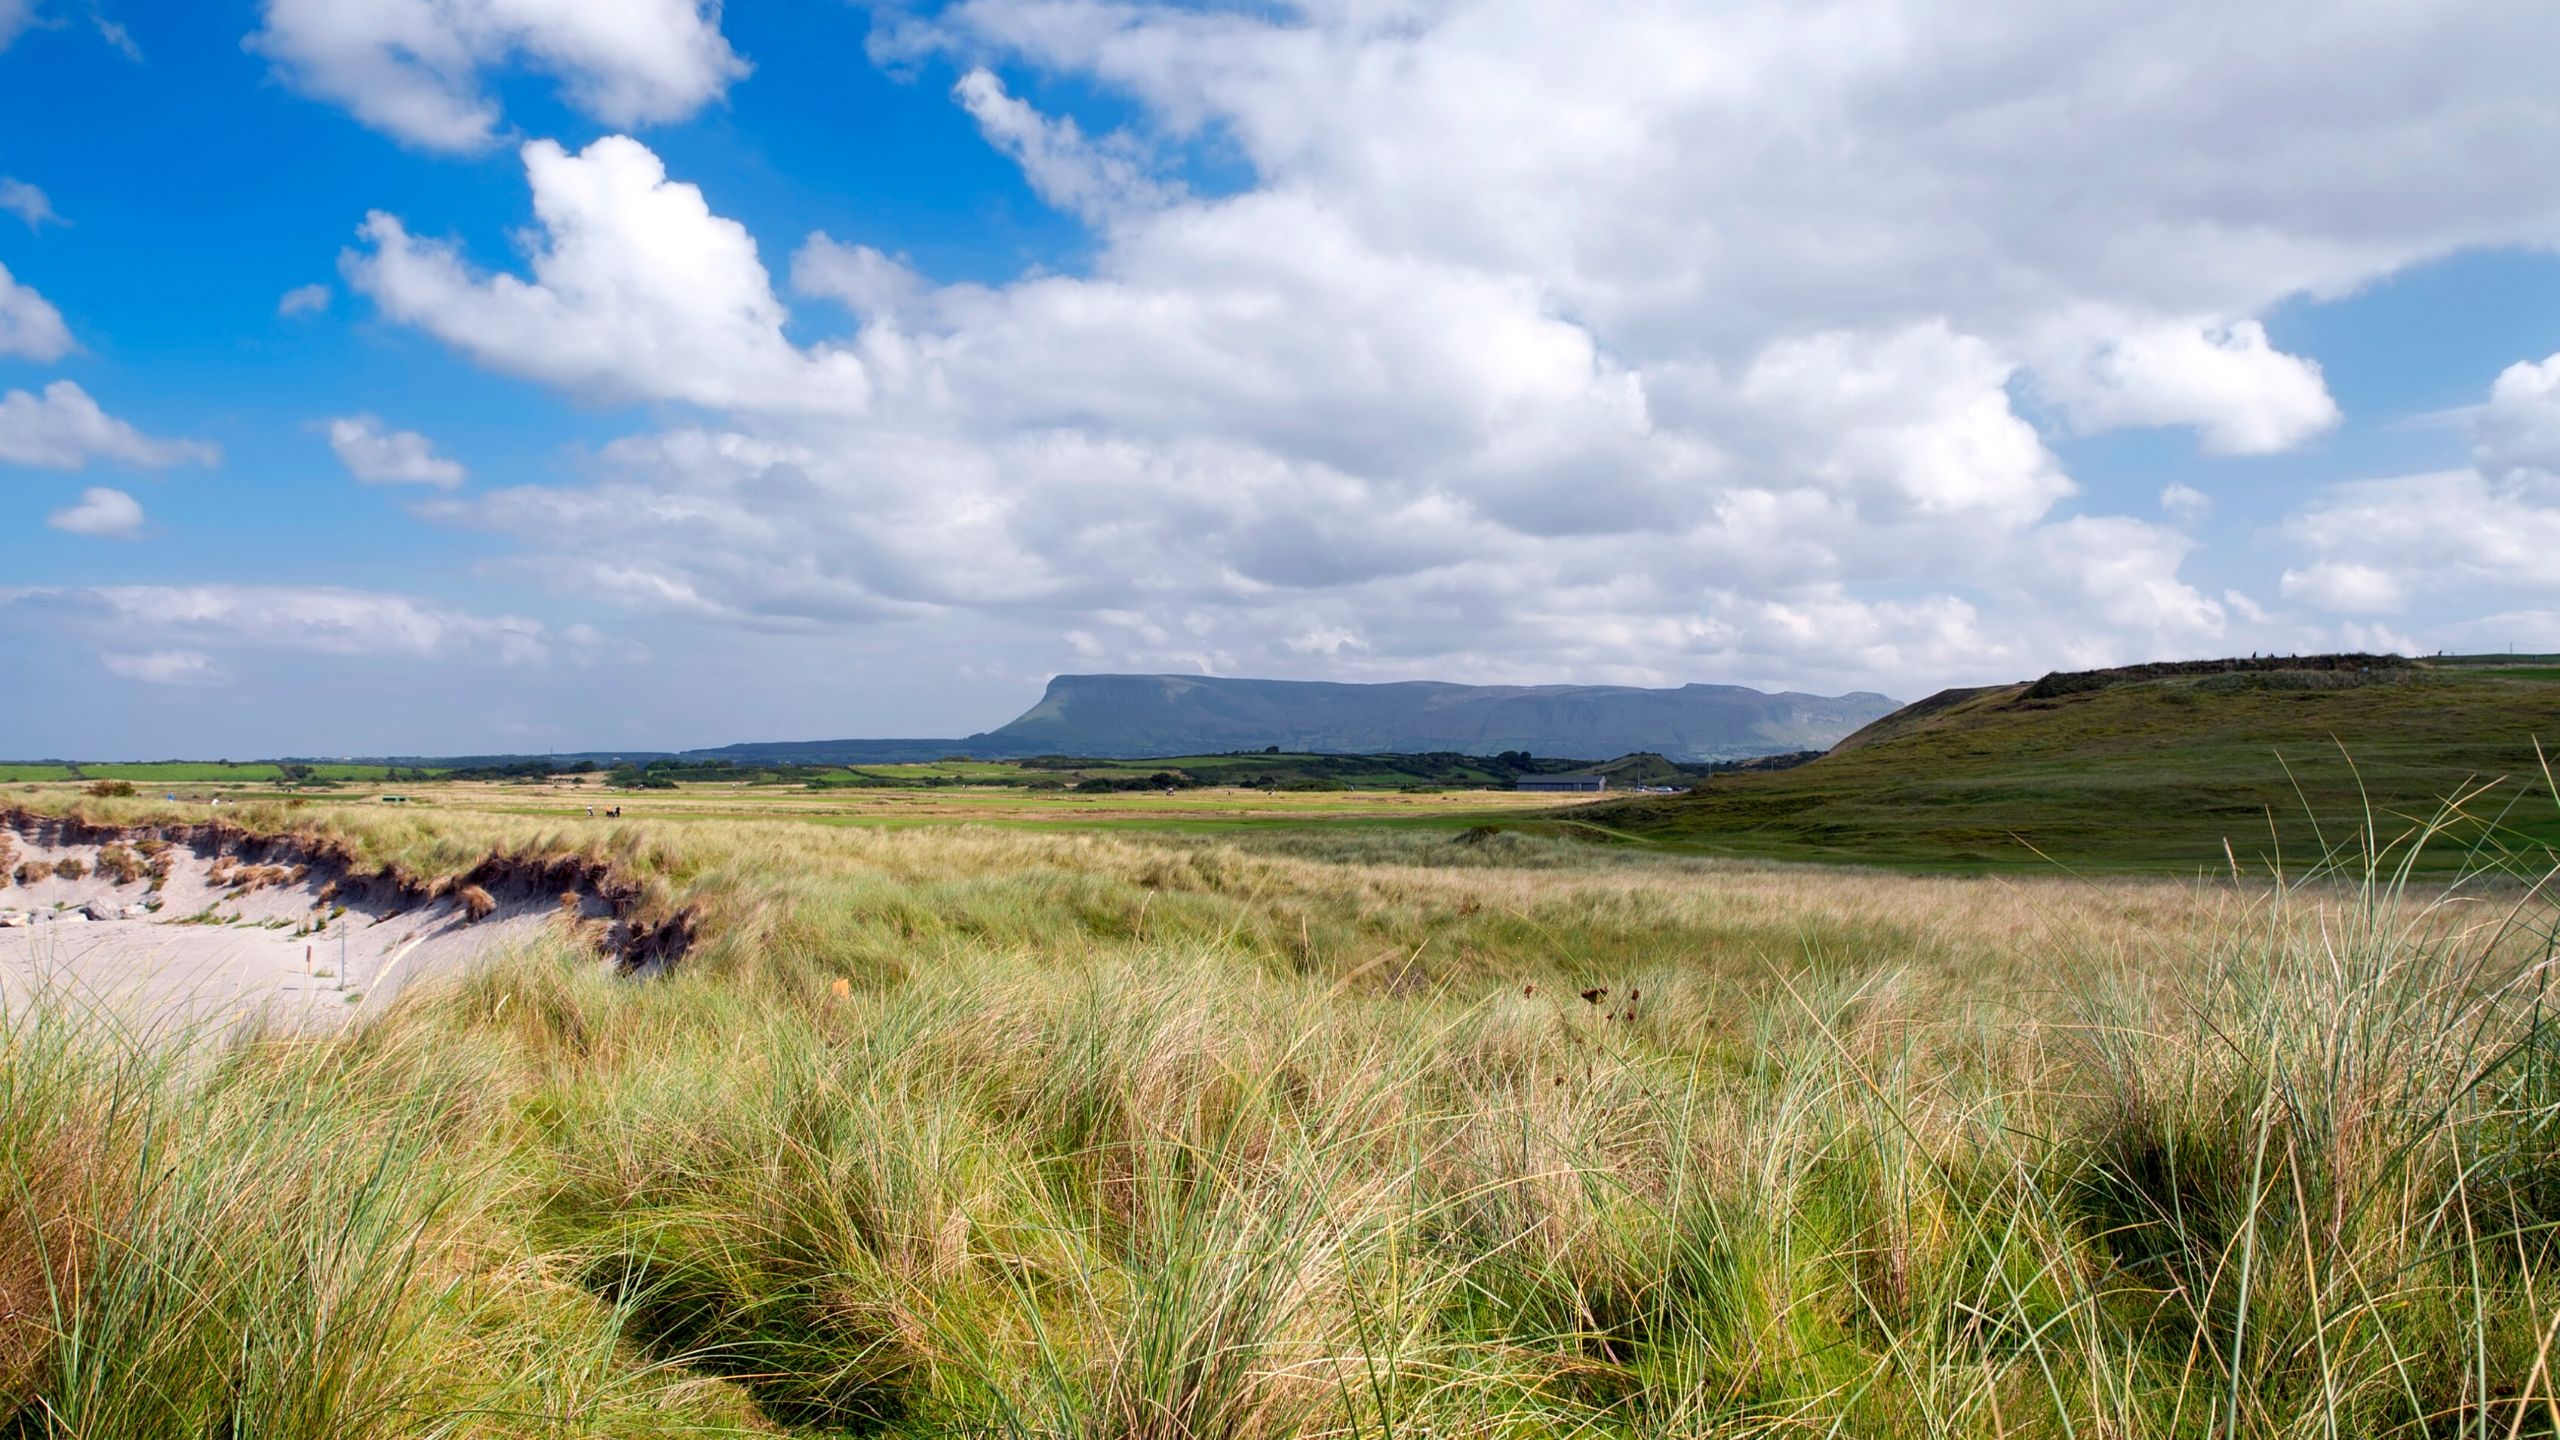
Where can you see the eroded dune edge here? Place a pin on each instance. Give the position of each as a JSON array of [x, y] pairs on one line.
[[67, 869]]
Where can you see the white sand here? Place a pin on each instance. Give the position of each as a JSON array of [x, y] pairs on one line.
[[213, 957]]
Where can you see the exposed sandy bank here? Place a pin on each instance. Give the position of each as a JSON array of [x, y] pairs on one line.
[[208, 923]]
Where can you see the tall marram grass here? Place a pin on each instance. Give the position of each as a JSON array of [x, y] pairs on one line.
[[292, 1239], [952, 1132]]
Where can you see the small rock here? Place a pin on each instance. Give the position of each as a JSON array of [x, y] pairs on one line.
[[15, 919]]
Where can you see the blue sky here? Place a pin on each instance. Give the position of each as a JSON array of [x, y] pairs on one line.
[[788, 371]]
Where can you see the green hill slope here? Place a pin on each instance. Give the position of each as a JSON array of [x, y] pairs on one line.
[[2152, 768]]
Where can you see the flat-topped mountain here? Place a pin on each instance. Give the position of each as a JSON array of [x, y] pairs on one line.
[[1129, 715]]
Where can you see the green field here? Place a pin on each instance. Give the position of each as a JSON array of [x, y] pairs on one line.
[[1304, 771], [1262, 770], [2151, 773], [1200, 811], [1269, 770], [1266, 770]]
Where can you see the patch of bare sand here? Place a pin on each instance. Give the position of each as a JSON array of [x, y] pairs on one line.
[[208, 935]]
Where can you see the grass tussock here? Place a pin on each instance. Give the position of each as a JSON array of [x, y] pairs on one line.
[[965, 1132], [120, 863]]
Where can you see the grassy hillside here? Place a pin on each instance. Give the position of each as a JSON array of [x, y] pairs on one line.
[[2151, 768]]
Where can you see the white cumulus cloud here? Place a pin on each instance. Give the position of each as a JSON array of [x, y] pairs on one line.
[[1246, 428], [1731, 170], [1646, 341], [304, 300], [2518, 430], [2245, 396], [63, 429], [419, 69], [2481, 537], [101, 512], [29, 325], [2443, 531], [2345, 586], [638, 291], [377, 456], [1918, 420]]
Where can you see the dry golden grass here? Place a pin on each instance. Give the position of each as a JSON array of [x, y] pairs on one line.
[[964, 1130]]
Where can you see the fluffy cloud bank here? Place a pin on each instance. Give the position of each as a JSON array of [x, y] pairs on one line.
[[2487, 533], [1733, 169], [322, 620], [1650, 342], [418, 69]]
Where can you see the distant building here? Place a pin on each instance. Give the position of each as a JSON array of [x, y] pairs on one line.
[[1566, 784]]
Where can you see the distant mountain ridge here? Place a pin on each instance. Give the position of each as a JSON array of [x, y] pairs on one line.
[[1116, 717], [1143, 715]]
